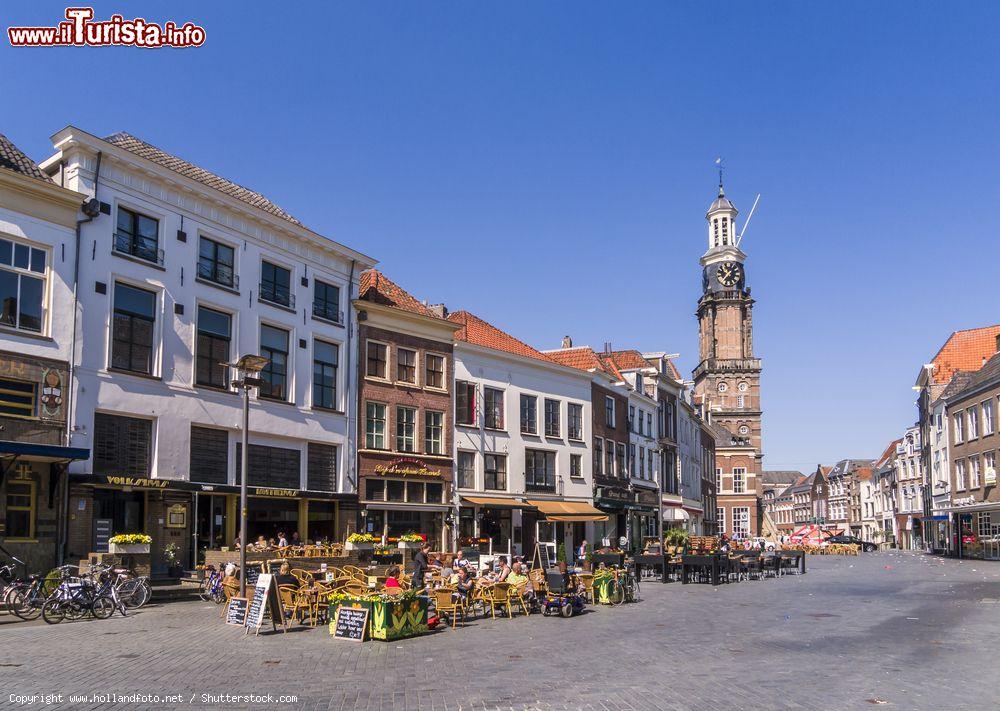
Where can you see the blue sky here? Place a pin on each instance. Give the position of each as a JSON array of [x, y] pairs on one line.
[[548, 166]]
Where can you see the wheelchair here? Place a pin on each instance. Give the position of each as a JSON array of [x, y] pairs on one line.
[[558, 599]]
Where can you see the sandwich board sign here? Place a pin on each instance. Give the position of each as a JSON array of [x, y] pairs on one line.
[[265, 599], [236, 611], [351, 623]]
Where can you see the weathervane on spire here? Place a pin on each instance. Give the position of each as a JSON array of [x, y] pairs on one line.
[[718, 162]]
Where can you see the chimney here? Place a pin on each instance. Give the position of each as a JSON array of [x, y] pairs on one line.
[[607, 348], [998, 343], [439, 310], [567, 342]]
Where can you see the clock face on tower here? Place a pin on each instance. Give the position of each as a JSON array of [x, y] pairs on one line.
[[729, 273]]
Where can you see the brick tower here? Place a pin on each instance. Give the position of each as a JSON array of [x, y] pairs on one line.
[[727, 379]]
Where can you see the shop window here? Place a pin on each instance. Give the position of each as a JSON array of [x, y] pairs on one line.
[[529, 414], [138, 236], [433, 432], [434, 375], [322, 520], [18, 398], [435, 493], [20, 501], [214, 337], [575, 421], [495, 470], [406, 422], [467, 470], [326, 301], [321, 467], [406, 366], [414, 492], [132, 329], [377, 360], [126, 510], [325, 362], [274, 347], [122, 445], [209, 455], [216, 262], [275, 284], [465, 403], [22, 286], [375, 425]]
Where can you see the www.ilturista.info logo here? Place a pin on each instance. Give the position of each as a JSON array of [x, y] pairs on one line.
[[79, 30]]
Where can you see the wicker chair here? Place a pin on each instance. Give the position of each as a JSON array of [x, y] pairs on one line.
[[587, 580], [446, 604], [515, 597], [497, 595]]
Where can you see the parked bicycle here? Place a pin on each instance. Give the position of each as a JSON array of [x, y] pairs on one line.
[[623, 587]]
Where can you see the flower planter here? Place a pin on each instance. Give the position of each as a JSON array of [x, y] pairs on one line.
[[390, 620], [410, 545], [366, 546], [129, 548]]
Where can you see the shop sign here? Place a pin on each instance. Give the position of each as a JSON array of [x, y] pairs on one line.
[[647, 497], [280, 493], [406, 467], [177, 516], [139, 482], [966, 501], [991, 475], [614, 494]]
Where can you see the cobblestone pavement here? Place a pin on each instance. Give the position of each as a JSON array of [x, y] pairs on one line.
[[902, 629]]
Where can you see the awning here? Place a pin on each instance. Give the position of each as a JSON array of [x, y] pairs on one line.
[[496, 502], [568, 511], [675, 514], [43, 452]]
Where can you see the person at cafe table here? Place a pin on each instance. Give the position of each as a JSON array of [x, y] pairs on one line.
[[420, 566]]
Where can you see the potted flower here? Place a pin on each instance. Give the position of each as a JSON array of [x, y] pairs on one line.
[[129, 543], [172, 553], [360, 542], [411, 540]]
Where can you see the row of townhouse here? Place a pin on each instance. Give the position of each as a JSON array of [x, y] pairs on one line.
[[131, 280]]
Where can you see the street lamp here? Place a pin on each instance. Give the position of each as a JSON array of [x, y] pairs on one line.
[[248, 368]]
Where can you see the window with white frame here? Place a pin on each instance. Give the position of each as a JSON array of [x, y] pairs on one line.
[[974, 481], [960, 474], [718, 478], [990, 467], [467, 470], [741, 522], [959, 421], [973, 422], [22, 286], [720, 519], [988, 417], [375, 421], [739, 481]]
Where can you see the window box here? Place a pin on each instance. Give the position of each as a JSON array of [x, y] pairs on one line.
[[129, 548], [364, 546]]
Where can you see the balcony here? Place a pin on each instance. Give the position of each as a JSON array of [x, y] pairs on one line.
[[135, 248], [728, 365], [218, 274], [277, 295], [327, 312]]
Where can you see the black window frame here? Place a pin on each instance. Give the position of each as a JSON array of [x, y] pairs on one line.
[[384, 360], [273, 369], [574, 429], [553, 422], [493, 408], [271, 290], [465, 403], [323, 306], [498, 472], [529, 414], [130, 242], [428, 359], [462, 472], [120, 315], [218, 374], [410, 368], [211, 268], [539, 470], [324, 396]]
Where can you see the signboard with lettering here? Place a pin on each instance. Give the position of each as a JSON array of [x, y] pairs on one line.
[[253, 572], [406, 467], [236, 611], [265, 599], [351, 623]]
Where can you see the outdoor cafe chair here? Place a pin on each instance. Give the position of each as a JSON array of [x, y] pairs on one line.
[[446, 602], [292, 602], [498, 595], [516, 597], [587, 580]]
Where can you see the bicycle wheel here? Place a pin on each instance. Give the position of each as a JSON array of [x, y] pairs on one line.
[[616, 592], [24, 604], [143, 593], [205, 591], [102, 607], [75, 610], [53, 612]]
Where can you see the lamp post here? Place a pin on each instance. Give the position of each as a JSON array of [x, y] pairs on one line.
[[248, 368]]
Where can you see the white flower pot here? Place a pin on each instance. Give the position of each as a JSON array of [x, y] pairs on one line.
[[129, 548], [410, 545], [348, 546]]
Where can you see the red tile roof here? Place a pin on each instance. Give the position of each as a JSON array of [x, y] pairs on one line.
[[13, 158], [964, 350], [864, 473], [380, 289], [480, 333], [888, 453], [628, 360], [580, 357]]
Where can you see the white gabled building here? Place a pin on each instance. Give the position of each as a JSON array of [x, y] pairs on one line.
[[522, 453], [180, 271]]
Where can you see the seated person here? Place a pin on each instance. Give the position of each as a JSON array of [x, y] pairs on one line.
[[460, 561], [392, 577], [464, 585], [517, 577], [502, 570], [285, 577], [261, 543]]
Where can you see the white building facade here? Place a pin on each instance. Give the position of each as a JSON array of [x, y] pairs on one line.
[[180, 273]]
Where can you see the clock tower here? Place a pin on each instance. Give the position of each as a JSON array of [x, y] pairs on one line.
[[727, 379]]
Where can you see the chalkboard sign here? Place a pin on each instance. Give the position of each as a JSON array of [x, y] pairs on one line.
[[102, 532], [351, 623], [265, 598], [236, 611], [253, 571], [274, 566], [541, 557]]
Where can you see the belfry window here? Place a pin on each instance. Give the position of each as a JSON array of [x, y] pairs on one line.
[[715, 225], [725, 230]]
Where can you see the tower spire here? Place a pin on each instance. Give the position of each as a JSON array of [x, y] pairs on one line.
[[718, 162]]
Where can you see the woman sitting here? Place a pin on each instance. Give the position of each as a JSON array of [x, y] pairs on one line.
[[392, 578]]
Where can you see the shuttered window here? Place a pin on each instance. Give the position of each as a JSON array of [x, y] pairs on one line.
[[122, 445], [321, 466], [209, 455], [270, 466]]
